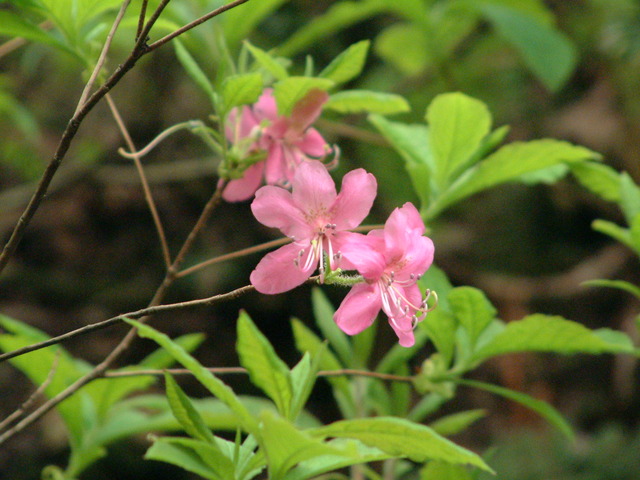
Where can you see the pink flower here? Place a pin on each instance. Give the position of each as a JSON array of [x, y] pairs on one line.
[[391, 261], [315, 217], [286, 141]]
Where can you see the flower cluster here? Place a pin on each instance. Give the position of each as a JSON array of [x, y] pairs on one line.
[[286, 141], [318, 220]]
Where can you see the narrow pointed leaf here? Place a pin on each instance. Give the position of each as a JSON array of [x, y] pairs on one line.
[[348, 64], [366, 101], [457, 422], [185, 412], [268, 62], [240, 90], [265, 368], [194, 70], [600, 179], [323, 313], [472, 309], [204, 376], [401, 438], [543, 409]]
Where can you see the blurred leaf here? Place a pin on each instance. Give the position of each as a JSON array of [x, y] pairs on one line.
[[14, 25], [629, 198], [508, 164], [185, 412], [323, 313], [444, 471], [291, 90], [457, 422], [401, 438], [240, 21], [204, 376], [268, 62], [547, 176], [543, 409], [348, 64], [338, 16], [195, 72], [265, 368], [285, 446], [303, 378], [600, 179], [619, 284], [440, 326], [365, 101], [240, 90], [412, 41], [621, 234], [548, 52], [472, 309], [542, 333], [457, 126]]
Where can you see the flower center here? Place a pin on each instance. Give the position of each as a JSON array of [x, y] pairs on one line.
[[320, 245], [397, 306]]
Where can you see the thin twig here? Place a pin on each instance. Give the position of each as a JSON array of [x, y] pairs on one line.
[[103, 56], [32, 398], [240, 370], [254, 249], [195, 23], [143, 13], [143, 180]]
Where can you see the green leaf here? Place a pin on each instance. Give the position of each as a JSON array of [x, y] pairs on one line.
[[315, 466], [457, 422], [285, 446], [457, 126], [548, 52], [629, 198], [240, 21], [542, 333], [303, 378], [543, 409], [412, 143], [193, 69], [401, 438], [621, 234], [508, 164], [185, 412], [265, 368], [268, 62], [291, 90], [13, 25], [348, 64], [193, 456], [440, 326], [240, 90], [337, 17], [365, 101], [323, 313], [307, 341], [444, 471], [472, 309], [204, 376], [619, 284], [600, 179], [412, 41]]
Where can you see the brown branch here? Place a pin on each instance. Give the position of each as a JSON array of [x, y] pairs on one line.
[[143, 180], [240, 370], [195, 23]]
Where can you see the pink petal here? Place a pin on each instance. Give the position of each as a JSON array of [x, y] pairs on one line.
[[402, 324], [405, 337], [313, 189], [418, 257], [307, 109], [363, 253], [355, 199], [243, 188], [275, 171], [240, 124], [401, 228], [274, 207], [277, 273], [359, 309], [265, 107], [313, 145]]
